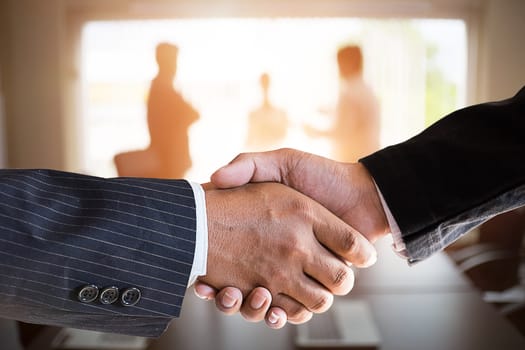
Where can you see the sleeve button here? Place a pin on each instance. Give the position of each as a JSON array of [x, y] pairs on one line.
[[130, 296], [108, 295], [88, 293]]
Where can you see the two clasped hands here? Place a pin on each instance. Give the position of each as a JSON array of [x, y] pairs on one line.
[[284, 228]]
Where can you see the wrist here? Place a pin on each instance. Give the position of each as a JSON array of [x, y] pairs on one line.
[[211, 218], [364, 203], [201, 234]]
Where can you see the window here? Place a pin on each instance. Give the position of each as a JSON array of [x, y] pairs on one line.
[[416, 68]]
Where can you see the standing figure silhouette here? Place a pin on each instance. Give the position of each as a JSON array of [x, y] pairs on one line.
[[267, 124], [169, 117], [355, 132]]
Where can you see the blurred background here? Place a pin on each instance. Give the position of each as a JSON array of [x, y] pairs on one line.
[[75, 74]]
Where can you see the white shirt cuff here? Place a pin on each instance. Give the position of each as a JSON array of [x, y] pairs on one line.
[[399, 246], [200, 257]]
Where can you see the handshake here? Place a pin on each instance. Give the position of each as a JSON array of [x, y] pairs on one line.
[[284, 228]]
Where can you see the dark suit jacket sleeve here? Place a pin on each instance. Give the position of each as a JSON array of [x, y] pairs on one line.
[[61, 231], [458, 173]]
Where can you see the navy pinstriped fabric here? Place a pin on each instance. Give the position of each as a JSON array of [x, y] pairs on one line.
[[61, 231]]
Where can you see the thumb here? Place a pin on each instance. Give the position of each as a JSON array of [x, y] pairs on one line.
[[249, 167]]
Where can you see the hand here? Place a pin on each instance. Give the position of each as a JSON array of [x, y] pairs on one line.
[[347, 189], [270, 235], [256, 307]]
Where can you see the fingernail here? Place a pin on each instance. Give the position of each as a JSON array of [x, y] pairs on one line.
[[257, 302], [228, 301], [203, 297], [273, 318]]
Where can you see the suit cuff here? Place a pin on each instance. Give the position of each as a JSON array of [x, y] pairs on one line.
[[399, 245], [201, 236]]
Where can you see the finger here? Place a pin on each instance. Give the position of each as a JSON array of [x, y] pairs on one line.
[[204, 291], [308, 292], [256, 304], [249, 167], [238, 172], [276, 318], [229, 300], [344, 240], [330, 271], [295, 311]]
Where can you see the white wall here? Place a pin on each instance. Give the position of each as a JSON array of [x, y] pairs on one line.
[[502, 49], [38, 69], [32, 71]]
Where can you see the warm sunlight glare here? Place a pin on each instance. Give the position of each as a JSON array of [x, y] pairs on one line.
[[219, 66]]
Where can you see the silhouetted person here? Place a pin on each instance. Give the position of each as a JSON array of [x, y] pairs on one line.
[[169, 117], [355, 132], [267, 124]]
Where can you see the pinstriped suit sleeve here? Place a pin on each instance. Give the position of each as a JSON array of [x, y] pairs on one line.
[[61, 231]]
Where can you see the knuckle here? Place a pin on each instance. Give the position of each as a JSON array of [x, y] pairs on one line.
[[343, 280], [277, 279], [300, 252], [298, 314], [294, 249], [349, 244], [301, 207], [323, 303], [293, 242], [348, 284]]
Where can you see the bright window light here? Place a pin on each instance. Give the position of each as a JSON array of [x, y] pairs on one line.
[[416, 68]]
